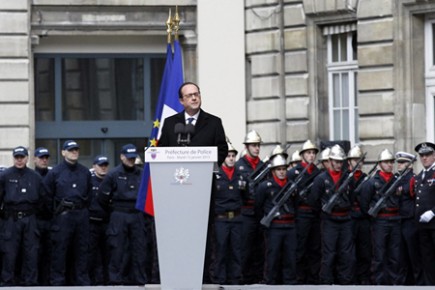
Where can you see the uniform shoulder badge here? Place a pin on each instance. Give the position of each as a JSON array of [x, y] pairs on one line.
[[269, 184]]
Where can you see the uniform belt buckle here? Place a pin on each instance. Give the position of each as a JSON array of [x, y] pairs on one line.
[[20, 214], [230, 214]]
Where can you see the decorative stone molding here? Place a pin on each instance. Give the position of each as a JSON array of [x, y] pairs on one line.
[[313, 7]]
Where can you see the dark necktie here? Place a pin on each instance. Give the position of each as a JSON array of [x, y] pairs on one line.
[[190, 120]]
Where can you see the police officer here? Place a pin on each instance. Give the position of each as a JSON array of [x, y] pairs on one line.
[[44, 217], [252, 236], [229, 188], [361, 222], [307, 218], [411, 272], [98, 220], [386, 224], [21, 192], [338, 253], [69, 189], [126, 229], [41, 160], [425, 208]]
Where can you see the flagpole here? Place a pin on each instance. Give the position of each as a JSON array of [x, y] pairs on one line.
[[169, 24], [176, 23]]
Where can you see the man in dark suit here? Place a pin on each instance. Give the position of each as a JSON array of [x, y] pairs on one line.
[[208, 128], [208, 131]]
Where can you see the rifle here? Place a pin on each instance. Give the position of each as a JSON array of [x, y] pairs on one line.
[[258, 174], [374, 210], [327, 207], [282, 196], [369, 174], [310, 180]]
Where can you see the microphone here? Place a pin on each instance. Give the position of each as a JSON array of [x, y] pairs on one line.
[[189, 130], [178, 130]]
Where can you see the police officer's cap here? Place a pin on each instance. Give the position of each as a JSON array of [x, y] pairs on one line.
[[20, 151], [425, 148], [101, 159], [404, 156], [41, 151], [129, 151], [70, 144]]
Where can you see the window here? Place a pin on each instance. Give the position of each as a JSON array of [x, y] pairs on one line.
[[101, 100], [342, 79]]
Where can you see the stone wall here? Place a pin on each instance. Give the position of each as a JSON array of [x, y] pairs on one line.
[[16, 111]]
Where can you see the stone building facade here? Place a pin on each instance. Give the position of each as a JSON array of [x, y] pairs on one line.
[[359, 70], [291, 89]]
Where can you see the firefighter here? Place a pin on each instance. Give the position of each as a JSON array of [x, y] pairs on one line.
[[307, 218], [338, 254], [386, 224], [252, 235], [280, 267], [361, 221], [229, 188]]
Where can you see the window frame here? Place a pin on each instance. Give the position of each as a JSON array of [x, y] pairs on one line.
[[351, 69], [59, 129]]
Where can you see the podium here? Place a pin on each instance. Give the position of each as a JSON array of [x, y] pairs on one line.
[[181, 180]]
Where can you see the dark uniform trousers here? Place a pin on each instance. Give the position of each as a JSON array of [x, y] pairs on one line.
[[228, 263], [19, 232], [410, 271], [127, 228], [70, 228], [338, 252], [98, 254], [425, 200], [308, 253], [126, 232], [362, 235]]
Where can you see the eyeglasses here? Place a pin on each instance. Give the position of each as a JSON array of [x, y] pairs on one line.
[[196, 95]]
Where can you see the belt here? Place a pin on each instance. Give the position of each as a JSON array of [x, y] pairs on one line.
[[340, 213], [249, 203], [305, 207], [284, 219], [17, 214], [228, 214], [96, 219]]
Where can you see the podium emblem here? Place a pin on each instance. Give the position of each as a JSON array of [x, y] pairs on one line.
[[181, 175]]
